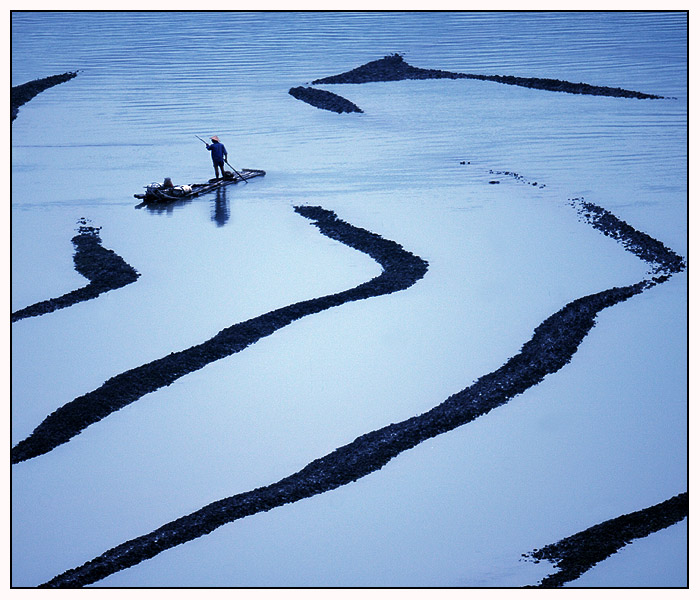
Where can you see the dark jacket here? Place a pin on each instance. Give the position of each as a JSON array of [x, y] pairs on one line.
[[218, 152]]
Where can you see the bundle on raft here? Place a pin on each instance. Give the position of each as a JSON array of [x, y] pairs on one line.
[[158, 192]]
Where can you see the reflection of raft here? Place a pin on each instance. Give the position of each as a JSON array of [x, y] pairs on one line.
[[156, 192]]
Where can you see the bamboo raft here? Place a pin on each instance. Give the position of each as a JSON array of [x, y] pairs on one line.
[[156, 192]]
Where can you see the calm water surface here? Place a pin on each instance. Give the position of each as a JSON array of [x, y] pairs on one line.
[[150, 82], [159, 77]]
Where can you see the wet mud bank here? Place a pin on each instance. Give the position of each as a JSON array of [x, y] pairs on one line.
[[401, 269], [552, 346], [21, 94], [324, 99], [104, 268], [395, 68], [578, 553]]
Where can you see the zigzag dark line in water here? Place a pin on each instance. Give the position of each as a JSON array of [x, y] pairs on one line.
[[104, 268], [552, 346], [401, 269]]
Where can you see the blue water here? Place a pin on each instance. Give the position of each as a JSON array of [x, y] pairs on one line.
[[633, 49], [150, 81], [183, 66], [502, 258]]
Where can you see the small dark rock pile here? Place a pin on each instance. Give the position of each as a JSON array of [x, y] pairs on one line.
[[324, 99], [517, 177], [389, 68]]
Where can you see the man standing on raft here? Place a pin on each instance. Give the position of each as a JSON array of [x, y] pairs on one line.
[[218, 155]]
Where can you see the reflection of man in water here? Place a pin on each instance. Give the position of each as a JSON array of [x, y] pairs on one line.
[[218, 155], [221, 212]]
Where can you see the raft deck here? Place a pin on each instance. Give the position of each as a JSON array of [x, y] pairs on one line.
[[160, 194]]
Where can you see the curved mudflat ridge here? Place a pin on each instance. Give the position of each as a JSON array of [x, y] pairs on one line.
[[324, 99], [576, 554], [21, 94], [401, 269], [551, 347], [105, 269]]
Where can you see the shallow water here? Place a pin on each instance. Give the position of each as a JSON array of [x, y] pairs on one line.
[[204, 73], [502, 258]]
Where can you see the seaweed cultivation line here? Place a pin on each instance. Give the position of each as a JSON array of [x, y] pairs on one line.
[[662, 260], [324, 99], [105, 270], [21, 94], [551, 347], [401, 269], [576, 554], [395, 68]]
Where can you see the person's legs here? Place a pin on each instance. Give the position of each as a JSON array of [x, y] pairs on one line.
[[218, 166]]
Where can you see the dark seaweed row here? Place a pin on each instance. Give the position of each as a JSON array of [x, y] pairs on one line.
[[105, 270], [558, 85], [394, 68], [662, 260], [576, 554], [21, 94], [401, 269], [553, 344], [324, 99], [389, 68]]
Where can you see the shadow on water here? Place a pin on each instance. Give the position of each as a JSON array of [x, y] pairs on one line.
[[164, 208], [220, 213]]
